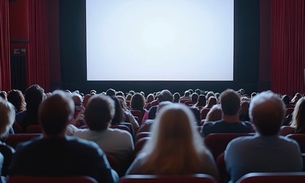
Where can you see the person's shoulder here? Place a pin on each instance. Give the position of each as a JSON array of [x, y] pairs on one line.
[[118, 132], [240, 141], [29, 144], [246, 123], [288, 141]]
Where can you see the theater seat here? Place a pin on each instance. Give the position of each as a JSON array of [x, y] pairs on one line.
[[196, 178], [33, 129], [278, 177], [140, 144], [300, 139], [217, 142], [38, 179], [14, 139]]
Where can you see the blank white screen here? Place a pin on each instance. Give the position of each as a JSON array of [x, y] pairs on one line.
[[160, 40]]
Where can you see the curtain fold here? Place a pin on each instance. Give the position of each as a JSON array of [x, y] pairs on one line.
[[287, 46], [5, 76], [38, 65]]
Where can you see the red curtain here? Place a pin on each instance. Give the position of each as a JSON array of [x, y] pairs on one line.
[[287, 32], [5, 76], [38, 65]]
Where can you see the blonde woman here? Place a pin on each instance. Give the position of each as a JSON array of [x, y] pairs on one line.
[[298, 116], [175, 147]]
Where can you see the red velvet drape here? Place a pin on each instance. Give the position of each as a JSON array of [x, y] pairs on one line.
[[287, 34], [5, 76], [38, 65]]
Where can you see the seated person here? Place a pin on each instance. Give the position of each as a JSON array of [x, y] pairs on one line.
[[175, 147], [119, 143], [55, 154], [7, 115], [230, 105], [266, 151]]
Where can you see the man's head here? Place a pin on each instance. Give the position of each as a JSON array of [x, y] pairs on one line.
[[165, 95], [267, 112], [230, 102], [33, 97], [99, 112], [55, 112]]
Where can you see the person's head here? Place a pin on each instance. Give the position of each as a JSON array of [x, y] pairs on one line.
[[120, 93], [244, 110], [3, 95], [78, 101], [110, 92], [267, 112], [209, 94], [296, 97], [99, 112], [137, 102], [55, 112], [211, 102], [201, 101], [17, 99], [286, 99], [174, 140], [298, 116], [230, 102], [150, 97], [33, 97], [187, 93], [118, 112], [7, 115], [214, 114], [165, 95], [194, 97], [176, 97]]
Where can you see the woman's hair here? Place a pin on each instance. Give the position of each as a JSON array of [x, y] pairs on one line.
[[298, 116], [137, 102], [214, 114], [7, 114], [119, 113], [150, 97], [296, 97], [211, 101], [201, 102], [17, 99], [176, 97], [175, 146]]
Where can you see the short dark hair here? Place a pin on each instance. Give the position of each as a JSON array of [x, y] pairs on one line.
[[230, 102], [33, 97], [55, 112], [99, 112]]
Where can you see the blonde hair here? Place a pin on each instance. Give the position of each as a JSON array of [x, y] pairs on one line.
[[298, 116], [7, 115], [175, 146], [214, 114]]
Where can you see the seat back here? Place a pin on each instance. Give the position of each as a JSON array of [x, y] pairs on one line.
[[141, 135], [33, 129], [137, 113], [140, 144], [217, 142], [221, 166], [196, 178], [300, 139], [14, 139], [50, 179], [286, 130], [278, 177], [17, 128]]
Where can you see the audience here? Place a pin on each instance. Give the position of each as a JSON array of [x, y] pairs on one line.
[[298, 116], [266, 151], [119, 143], [33, 97], [175, 147], [230, 105], [138, 102], [55, 154]]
